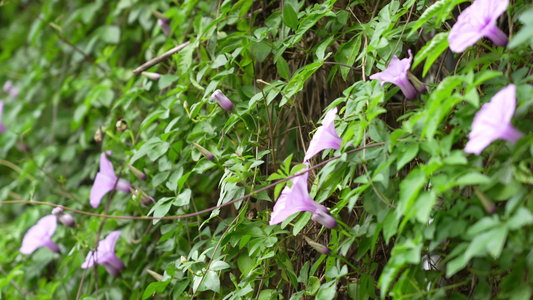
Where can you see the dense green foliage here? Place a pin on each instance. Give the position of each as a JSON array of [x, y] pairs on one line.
[[401, 187]]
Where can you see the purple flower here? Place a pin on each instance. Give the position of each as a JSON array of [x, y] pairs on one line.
[[397, 73], [2, 126], [296, 199], [105, 255], [325, 137], [105, 181], [477, 21], [222, 100], [164, 26], [40, 235], [493, 121]]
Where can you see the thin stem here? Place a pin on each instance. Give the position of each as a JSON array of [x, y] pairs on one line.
[[199, 212]]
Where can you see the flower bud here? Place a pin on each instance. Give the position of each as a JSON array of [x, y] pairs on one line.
[[143, 198], [66, 219], [419, 85], [159, 15], [98, 136], [183, 259], [151, 75], [204, 151], [164, 26], [222, 100], [318, 247], [7, 86], [121, 125], [136, 172], [157, 276]]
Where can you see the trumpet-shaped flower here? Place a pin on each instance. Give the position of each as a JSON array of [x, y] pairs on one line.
[[397, 73], [493, 121], [325, 137], [40, 235], [296, 199], [104, 182], [477, 21], [2, 126], [222, 100], [105, 255]]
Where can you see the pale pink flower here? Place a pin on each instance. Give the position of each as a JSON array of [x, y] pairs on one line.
[[151, 75], [105, 255], [40, 235], [12, 90], [105, 181], [325, 137], [66, 219], [493, 121], [296, 199], [3, 128], [477, 21], [397, 73]]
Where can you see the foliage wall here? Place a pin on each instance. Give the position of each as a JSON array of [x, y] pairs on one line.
[[416, 215]]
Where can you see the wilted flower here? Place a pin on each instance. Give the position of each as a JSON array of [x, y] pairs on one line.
[[121, 125], [296, 199], [98, 135], [66, 219], [477, 21], [222, 100], [204, 151], [2, 126], [164, 26], [40, 235], [12, 90], [105, 181], [397, 73], [493, 121], [151, 75], [317, 246], [325, 137], [105, 255]]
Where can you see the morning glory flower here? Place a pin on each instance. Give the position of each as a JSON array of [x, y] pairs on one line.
[[105, 181], [105, 255], [397, 73], [325, 137], [222, 100], [477, 21], [296, 199], [40, 235], [2, 126], [493, 121]]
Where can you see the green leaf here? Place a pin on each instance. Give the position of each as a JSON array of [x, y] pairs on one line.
[[290, 18], [407, 153], [472, 178], [183, 199], [110, 34], [283, 68], [161, 208], [431, 51], [347, 54], [327, 291], [166, 80]]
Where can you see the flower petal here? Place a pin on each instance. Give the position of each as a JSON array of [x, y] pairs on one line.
[[103, 184], [40, 235]]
